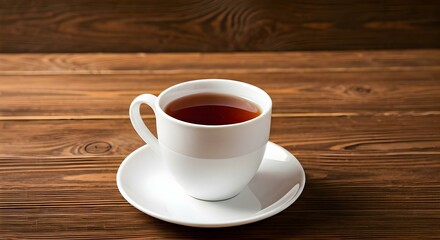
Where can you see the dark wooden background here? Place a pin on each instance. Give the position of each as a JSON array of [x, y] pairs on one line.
[[48, 26]]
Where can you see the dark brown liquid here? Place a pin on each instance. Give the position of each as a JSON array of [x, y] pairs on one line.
[[212, 109]]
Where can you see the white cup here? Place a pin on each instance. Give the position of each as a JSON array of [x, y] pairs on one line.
[[210, 162]]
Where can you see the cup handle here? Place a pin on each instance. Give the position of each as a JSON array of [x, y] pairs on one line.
[[138, 123]]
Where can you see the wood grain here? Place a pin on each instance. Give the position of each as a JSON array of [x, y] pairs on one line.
[[358, 168], [212, 63], [344, 93], [116, 137], [71, 86], [216, 26]]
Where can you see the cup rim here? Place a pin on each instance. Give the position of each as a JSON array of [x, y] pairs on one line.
[[264, 112]]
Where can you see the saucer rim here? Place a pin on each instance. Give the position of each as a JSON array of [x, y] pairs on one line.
[[254, 218]]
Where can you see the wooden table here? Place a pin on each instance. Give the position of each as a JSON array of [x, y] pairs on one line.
[[364, 125]]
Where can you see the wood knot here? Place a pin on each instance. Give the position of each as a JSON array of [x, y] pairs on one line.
[[363, 90], [359, 90], [98, 147]]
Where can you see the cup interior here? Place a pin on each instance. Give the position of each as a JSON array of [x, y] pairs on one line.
[[222, 86]]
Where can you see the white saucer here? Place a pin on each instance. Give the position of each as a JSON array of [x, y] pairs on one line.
[[145, 183]]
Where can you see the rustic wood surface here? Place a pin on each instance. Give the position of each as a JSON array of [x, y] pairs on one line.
[[216, 26], [365, 125]]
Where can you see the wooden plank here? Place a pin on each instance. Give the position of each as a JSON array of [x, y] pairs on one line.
[[187, 63], [312, 215], [371, 176], [216, 26], [68, 139], [310, 93], [371, 136]]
